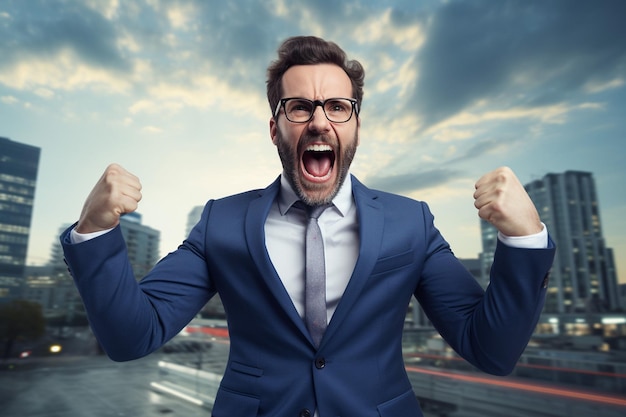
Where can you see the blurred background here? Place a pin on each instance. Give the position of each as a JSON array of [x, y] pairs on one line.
[[175, 92]]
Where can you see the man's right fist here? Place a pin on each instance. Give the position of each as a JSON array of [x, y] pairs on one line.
[[116, 193]]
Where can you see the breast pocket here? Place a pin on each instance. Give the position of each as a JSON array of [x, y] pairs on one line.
[[391, 263]]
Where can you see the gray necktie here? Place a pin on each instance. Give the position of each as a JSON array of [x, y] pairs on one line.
[[315, 272]]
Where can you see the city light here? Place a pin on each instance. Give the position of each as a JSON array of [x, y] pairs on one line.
[[614, 320], [177, 393], [536, 388]]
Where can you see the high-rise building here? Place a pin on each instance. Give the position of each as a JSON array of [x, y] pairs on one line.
[[64, 300], [19, 164], [214, 308], [142, 243], [193, 218], [584, 276], [489, 239]]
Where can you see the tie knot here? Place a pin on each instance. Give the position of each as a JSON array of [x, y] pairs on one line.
[[314, 212]]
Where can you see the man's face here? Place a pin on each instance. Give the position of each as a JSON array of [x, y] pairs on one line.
[[316, 155]]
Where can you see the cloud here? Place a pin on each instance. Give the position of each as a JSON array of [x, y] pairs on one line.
[[43, 29], [517, 53], [129, 47], [409, 182], [516, 56], [61, 72], [53, 45], [203, 92], [44, 92], [9, 99], [486, 117], [194, 53], [483, 147], [404, 31], [598, 87], [180, 16], [467, 137], [152, 129]]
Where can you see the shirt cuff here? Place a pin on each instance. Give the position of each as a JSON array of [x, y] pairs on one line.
[[536, 241], [76, 237]]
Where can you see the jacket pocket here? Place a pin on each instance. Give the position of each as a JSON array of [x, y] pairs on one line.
[[405, 405], [242, 379], [232, 404], [393, 262], [245, 369]]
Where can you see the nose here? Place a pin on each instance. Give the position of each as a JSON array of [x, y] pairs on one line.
[[319, 122]]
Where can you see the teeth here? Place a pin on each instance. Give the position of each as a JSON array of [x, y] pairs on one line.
[[319, 148]]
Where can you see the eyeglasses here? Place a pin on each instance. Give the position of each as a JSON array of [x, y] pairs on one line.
[[300, 110]]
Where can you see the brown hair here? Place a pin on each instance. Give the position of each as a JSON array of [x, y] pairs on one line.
[[310, 50]]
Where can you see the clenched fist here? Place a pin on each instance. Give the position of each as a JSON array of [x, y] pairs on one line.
[[502, 200], [116, 193]]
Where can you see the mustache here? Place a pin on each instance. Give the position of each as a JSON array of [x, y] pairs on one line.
[[308, 139]]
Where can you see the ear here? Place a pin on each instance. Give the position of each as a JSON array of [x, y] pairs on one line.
[[273, 128], [358, 131]]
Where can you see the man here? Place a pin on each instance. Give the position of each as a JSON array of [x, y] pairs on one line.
[[380, 250]]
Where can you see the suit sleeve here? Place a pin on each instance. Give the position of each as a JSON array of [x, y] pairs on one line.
[[131, 319], [491, 328]]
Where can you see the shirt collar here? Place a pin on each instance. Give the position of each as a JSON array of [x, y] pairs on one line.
[[343, 201]]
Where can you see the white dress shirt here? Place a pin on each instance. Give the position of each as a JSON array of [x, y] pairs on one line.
[[285, 239]]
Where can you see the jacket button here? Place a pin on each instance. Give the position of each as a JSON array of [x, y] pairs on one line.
[[305, 413], [546, 281], [320, 363]]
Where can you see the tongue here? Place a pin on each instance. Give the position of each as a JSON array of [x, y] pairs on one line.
[[317, 164]]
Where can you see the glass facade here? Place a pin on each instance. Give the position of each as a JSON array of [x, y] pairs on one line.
[[142, 243], [18, 177]]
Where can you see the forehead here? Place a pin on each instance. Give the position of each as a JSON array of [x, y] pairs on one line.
[[316, 81]]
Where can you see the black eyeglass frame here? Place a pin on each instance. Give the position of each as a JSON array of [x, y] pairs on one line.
[[315, 103]]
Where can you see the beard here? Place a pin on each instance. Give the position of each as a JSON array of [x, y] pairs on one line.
[[314, 194]]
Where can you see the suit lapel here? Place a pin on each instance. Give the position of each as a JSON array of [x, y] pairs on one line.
[[371, 223], [258, 211]]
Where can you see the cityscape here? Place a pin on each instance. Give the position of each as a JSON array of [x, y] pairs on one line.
[[576, 355], [176, 93]]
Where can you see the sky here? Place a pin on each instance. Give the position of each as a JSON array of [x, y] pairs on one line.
[[174, 91]]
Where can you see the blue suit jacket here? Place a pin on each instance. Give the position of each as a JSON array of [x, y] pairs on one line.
[[273, 368]]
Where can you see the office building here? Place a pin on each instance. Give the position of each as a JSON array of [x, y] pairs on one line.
[[214, 309], [54, 290], [53, 287], [19, 164], [142, 243], [489, 239], [192, 218]]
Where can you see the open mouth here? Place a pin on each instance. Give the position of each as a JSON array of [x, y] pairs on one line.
[[318, 161]]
